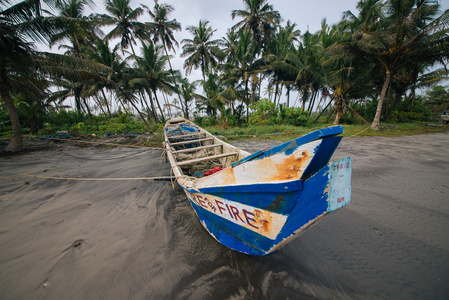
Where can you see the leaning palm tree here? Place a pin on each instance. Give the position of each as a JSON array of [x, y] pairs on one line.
[[259, 17], [21, 64], [19, 59], [127, 28], [409, 32], [201, 51]]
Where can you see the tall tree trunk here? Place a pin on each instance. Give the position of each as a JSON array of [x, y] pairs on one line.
[[153, 110], [87, 107], [316, 119], [186, 112], [173, 75], [100, 105], [312, 101], [358, 115], [132, 48], [304, 99], [288, 96], [164, 95], [246, 102], [106, 101], [338, 110], [159, 105], [15, 144], [276, 92], [77, 94], [413, 96], [144, 102], [280, 94], [376, 122], [330, 115]]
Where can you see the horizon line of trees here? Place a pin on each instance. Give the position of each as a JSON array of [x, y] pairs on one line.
[[381, 54]]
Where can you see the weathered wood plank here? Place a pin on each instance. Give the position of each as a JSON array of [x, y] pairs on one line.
[[187, 135], [193, 161], [192, 141], [197, 148]]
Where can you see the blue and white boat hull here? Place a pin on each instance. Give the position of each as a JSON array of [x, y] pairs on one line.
[[259, 202], [258, 219]]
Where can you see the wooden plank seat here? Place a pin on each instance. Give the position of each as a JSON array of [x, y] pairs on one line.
[[197, 148], [187, 135], [191, 141], [196, 160]]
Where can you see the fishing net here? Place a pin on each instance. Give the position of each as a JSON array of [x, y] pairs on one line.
[[184, 133]]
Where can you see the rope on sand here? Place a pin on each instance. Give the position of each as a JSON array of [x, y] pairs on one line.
[[159, 178], [358, 132], [104, 143]]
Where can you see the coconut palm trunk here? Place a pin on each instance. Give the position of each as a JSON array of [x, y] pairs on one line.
[[376, 122], [159, 105], [153, 110], [16, 143], [106, 101]]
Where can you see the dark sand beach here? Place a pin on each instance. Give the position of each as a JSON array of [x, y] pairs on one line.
[[140, 239]]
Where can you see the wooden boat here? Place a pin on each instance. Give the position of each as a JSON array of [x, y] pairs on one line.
[[256, 203]]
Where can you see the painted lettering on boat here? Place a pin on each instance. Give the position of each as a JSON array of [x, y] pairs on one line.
[[339, 183], [258, 220], [340, 166]]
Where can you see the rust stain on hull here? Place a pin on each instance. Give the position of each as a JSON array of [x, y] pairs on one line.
[[228, 176], [292, 166]]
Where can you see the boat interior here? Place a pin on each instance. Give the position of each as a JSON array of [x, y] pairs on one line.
[[195, 150]]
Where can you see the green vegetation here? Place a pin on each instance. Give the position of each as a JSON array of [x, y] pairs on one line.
[[361, 71]]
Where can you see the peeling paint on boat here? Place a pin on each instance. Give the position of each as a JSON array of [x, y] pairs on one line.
[[262, 201], [261, 221]]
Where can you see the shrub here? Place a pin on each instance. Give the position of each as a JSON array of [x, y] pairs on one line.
[[265, 112], [296, 116]]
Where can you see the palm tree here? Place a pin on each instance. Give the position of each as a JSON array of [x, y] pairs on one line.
[[370, 13], [19, 59], [408, 31], [150, 74], [79, 30], [201, 51], [244, 67], [277, 50], [260, 18], [187, 90], [102, 54], [126, 25], [162, 30], [21, 65]]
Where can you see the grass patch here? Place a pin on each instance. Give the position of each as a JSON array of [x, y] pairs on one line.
[[288, 132], [155, 138]]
